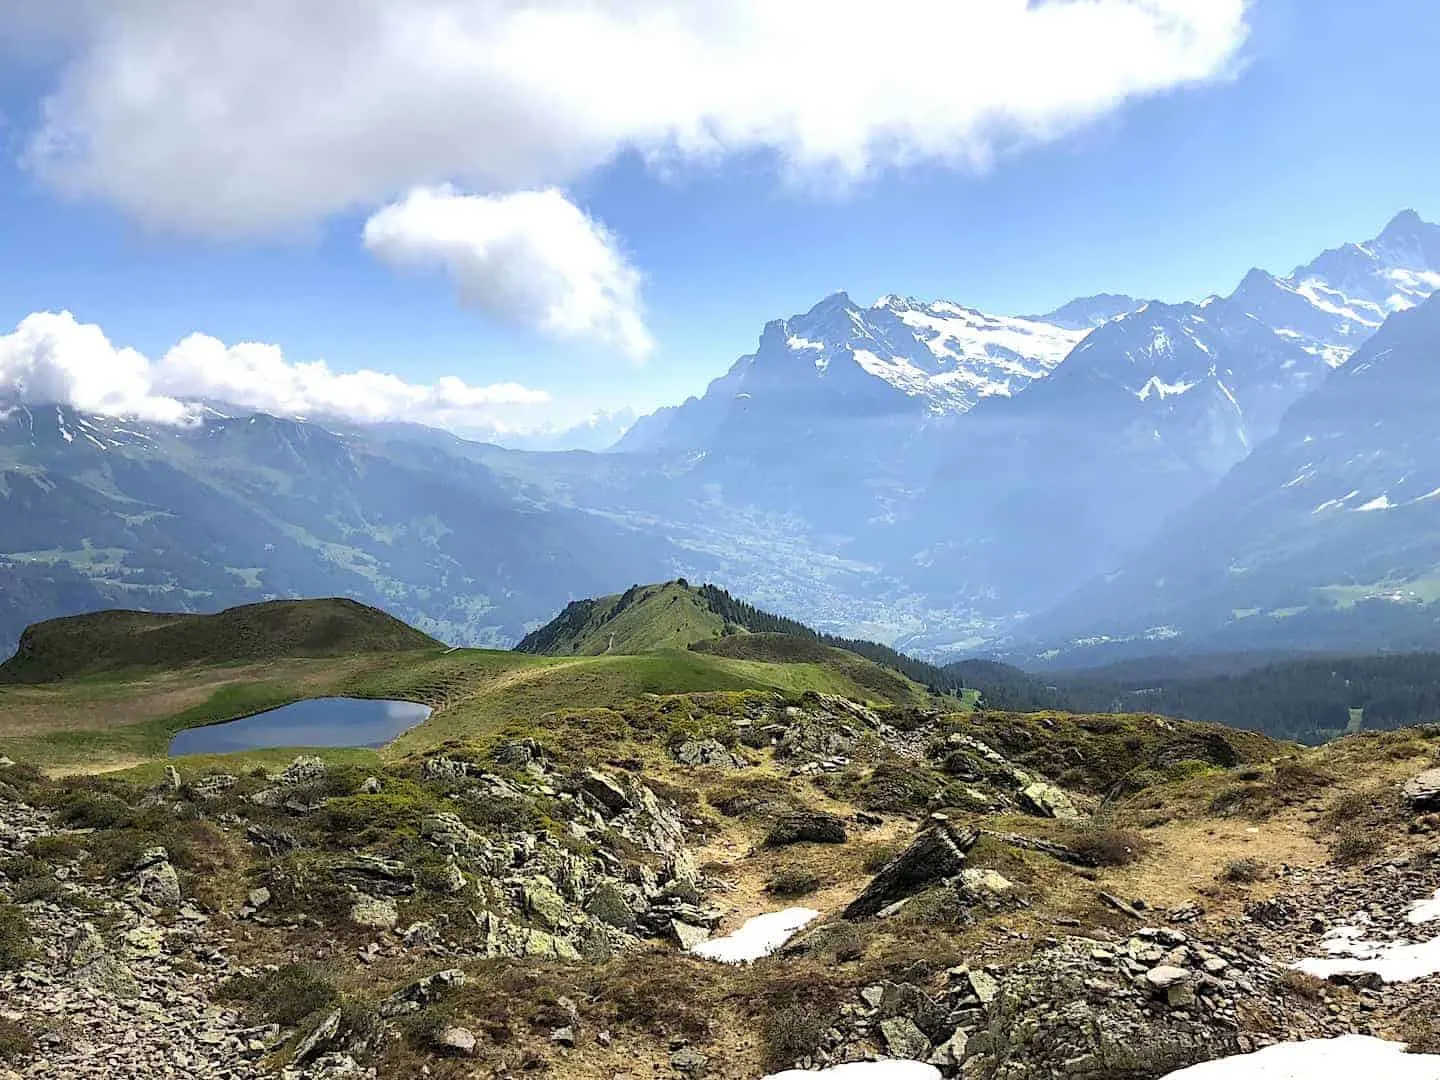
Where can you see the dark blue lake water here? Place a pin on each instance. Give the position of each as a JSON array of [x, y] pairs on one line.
[[317, 722]]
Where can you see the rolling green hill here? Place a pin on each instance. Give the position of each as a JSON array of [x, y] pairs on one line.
[[676, 614], [641, 619], [107, 641]]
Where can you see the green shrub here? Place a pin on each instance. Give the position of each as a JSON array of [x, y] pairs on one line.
[[792, 881], [1355, 843], [1104, 846], [16, 1042], [15, 944], [790, 1033], [1244, 871], [39, 887], [285, 996], [91, 810]]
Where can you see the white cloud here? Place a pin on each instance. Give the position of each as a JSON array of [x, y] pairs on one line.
[[237, 116], [531, 255], [54, 359]]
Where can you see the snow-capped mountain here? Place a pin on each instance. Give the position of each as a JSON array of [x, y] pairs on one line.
[[899, 355], [1327, 535]]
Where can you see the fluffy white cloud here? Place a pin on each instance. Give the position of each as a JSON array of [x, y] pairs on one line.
[[54, 359], [532, 255], [233, 116]]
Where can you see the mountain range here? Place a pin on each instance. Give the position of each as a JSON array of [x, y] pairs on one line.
[[920, 473]]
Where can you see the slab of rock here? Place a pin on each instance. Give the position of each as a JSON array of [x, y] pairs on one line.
[[936, 854], [606, 792], [904, 1040], [1422, 793], [1047, 800], [686, 935]]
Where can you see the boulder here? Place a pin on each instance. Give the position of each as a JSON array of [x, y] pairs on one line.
[[446, 830], [610, 795], [455, 1040], [986, 884], [1047, 800], [156, 882], [544, 904], [1422, 792], [806, 827], [937, 854], [705, 753], [416, 995], [903, 1040], [686, 935], [609, 904], [374, 913]]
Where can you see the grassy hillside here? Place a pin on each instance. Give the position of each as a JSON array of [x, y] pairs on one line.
[[642, 618], [111, 641], [126, 718], [678, 615]]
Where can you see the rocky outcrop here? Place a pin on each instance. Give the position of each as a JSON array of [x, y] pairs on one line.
[[1422, 792], [706, 753], [936, 855]]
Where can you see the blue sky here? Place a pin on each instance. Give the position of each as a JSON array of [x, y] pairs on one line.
[[1322, 130]]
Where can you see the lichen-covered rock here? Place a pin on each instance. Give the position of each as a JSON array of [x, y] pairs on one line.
[[1047, 800], [708, 753], [374, 913], [303, 770]]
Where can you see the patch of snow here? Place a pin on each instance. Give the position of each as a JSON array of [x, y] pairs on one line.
[[758, 937], [1162, 389], [1341, 1058], [1394, 961], [1423, 911], [795, 341], [1382, 503], [864, 1070], [1329, 504]]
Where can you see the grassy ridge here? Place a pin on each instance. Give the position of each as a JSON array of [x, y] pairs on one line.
[[111, 641]]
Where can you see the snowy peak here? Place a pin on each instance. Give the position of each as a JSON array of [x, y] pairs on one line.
[[1088, 312], [940, 355]]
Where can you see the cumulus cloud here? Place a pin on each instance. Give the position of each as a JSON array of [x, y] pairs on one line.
[[52, 358], [531, 255], [237, 116]]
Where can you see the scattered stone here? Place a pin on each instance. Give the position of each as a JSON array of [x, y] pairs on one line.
[[904, 1040], [706, 752], [610, 795]]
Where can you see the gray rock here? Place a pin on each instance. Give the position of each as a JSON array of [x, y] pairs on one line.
[[1422, 792], [446, 830], [705, 753], [455, 1040], [320, 1036], [374, 913], [305, 769], [609, 904], [371, 786], [936, 854], [158, 885], [172, 778], [1047, 800], [544, 904], [686, 935], [986, 883], [904, 1040], [606, 792]]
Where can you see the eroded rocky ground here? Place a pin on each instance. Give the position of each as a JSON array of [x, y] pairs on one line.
[[1000, 896]]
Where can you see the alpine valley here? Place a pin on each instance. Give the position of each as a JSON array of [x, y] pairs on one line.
[[937, 478]]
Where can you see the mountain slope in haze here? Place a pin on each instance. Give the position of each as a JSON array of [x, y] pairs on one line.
[[98, 513], [1327, 535], [1145, 416], [100, 641]]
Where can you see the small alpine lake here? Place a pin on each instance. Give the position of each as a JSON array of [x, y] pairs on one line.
[[333, 721]]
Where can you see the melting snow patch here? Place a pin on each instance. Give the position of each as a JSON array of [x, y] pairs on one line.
[[1423, 911], [865, 1070], [1320, 1059], [1393, 961], [1382, 503], [759, 937]]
